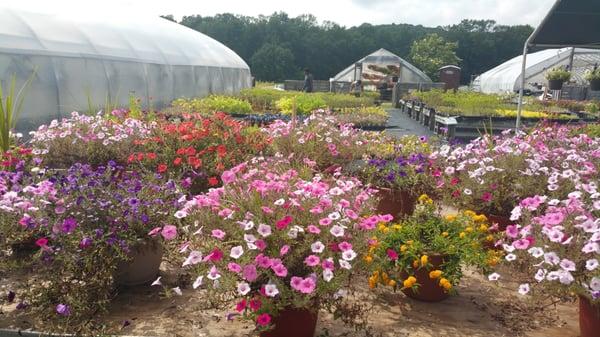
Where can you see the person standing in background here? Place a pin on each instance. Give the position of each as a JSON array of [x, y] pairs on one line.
[[308, 81]]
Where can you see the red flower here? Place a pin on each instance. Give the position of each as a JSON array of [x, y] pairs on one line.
[[151, 155], [140, 156], [240, 306], [283, 223], [221, 150], [263, 319], [177, 161], [131, 158], [194, 162], [212, 181], [392, 254], [42, 243], [162, 168], [454, 181], [255, 304]]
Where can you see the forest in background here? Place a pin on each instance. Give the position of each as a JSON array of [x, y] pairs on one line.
[[278, 46]]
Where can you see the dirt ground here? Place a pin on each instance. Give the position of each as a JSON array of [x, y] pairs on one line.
[[480, 309]]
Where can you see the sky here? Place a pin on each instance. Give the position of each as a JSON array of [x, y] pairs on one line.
[[345, 12]]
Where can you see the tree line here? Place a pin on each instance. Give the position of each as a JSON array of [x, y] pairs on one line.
[[278, 46]]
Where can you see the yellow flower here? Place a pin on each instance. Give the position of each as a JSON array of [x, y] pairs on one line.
[[384, 278], [385, 230], [368, 259], [489, 238], [470, 213], [424, 198], [435, 274], [480, 217], [372, 282], [451, 217], [392, 283], [445, 234], [469, 229], [493, 261], [483, 228], [403, 248], [409, 282], [409, 242], [444, 283], [381, 227], [397, 227], [415, 263], [424, 260], [462, 235]]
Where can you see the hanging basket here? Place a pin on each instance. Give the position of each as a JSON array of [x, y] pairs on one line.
[[595, 85], [555, 84]]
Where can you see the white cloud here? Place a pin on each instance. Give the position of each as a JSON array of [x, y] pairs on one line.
[[345, 12]]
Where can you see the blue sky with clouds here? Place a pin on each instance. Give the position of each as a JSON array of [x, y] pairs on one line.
[[345, 12]]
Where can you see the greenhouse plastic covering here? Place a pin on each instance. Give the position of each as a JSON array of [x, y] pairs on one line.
[[506, 78], [89, 62], [408, 73]]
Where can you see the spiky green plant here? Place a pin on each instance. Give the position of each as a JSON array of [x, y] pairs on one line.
[[10, 108]]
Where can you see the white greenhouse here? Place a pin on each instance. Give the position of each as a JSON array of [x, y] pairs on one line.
[[90, 61], [375, 66], [506, 78]]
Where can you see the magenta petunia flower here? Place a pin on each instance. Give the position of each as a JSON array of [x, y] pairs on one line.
[[218, 234], [249, 273], [325, 222], [392, 254], [283, 223], [328, 264], [312, 260], [344, 246], [280, 270], [263, 319], [313, 229], [486, 197], [284, 250], [169, 232], [307, 286], [234, 267], [228, 177]]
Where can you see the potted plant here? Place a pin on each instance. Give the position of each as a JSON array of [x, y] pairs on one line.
[[401, 173], [423, 254], [556, 244], [87, 221], [490, 174], [593, 76], [283, 242], [556, 77]]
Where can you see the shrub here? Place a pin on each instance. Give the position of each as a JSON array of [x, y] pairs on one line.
[[304, 104], [214, 103], [593, 75], [264, 99], [363, 116]]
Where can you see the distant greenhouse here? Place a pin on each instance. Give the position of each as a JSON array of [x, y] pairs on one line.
[[380, 64], [86, 61], [506, 78]]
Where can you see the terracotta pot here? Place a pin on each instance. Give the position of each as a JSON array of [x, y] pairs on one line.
[[555, 84], [293, 322], [595, 85], [429, 289], [395, 202], [589, 318], [143, 266]]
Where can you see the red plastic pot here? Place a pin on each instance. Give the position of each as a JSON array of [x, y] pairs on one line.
[[293, 322], [396, 202], [589, 318], [429, 289]]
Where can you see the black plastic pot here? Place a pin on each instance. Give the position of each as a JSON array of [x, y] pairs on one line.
[[555, 84], [595, 85]]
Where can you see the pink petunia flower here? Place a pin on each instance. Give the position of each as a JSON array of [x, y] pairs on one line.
[[313, 229], [234, 267], [169, 232], [218, 234], [284, 250], [312, 260], [392, 254], [249, 273]]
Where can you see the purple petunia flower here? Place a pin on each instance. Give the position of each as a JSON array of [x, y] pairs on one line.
[[63, 309], [69, 225]]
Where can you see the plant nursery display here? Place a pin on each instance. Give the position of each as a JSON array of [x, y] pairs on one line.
[[424, 254], [593, 76], [279, 239]]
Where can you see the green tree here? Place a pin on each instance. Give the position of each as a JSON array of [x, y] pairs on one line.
[[273, 63], [432, 52]]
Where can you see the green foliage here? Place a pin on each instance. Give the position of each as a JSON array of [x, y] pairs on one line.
[[408, 246], [363, 116], [10, 108], [340, 101], [213, 103], [468, 103], [327, 48], [302, 104], [593, 75], [558, 74], [273, 62], [432, 52], [263, 99]]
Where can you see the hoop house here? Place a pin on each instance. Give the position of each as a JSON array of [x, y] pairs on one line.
[[91, 61], [375, 66], [507, 76]]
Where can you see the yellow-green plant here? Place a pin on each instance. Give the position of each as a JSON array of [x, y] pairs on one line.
[[302, 104], [10, 108], [214, 103]]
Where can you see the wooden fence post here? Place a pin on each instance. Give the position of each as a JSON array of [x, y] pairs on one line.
[[432, 119]]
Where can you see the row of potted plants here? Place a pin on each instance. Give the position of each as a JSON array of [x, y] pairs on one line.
[[277, 222]]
